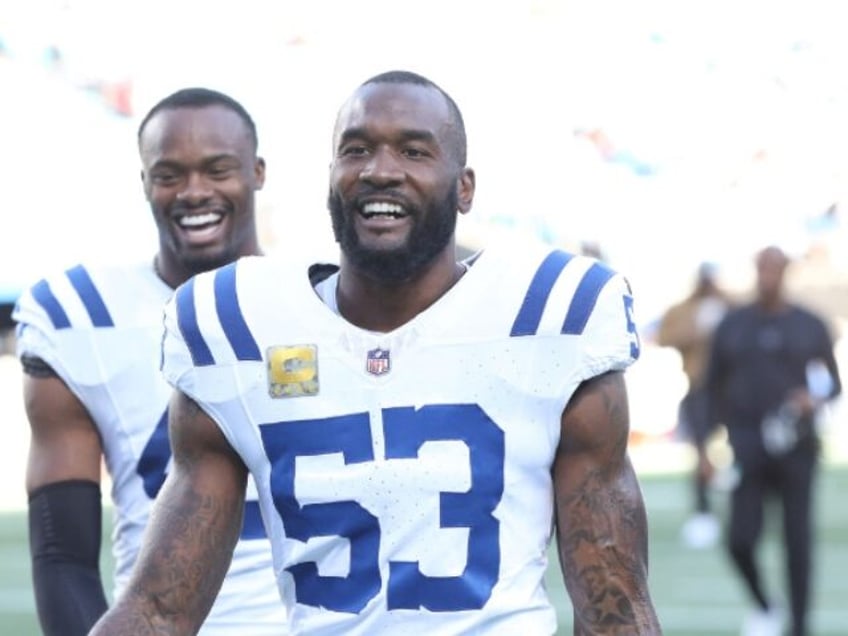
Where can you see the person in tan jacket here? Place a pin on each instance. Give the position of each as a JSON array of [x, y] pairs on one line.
[[687, 326]]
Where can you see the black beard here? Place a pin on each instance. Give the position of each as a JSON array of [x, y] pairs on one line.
[[198, 264], [431, 233]]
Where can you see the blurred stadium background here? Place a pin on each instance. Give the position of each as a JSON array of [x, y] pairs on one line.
[[659, 133]]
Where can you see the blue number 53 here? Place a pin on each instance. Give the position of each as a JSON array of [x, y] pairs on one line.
[[406, 430]]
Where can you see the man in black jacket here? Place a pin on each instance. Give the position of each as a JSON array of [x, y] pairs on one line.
[[771, 368]]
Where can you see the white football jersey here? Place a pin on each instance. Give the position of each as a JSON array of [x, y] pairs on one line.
[[405, 477], [101, 331]]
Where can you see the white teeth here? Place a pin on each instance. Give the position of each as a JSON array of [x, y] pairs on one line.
[[200, 219], [380, 207]]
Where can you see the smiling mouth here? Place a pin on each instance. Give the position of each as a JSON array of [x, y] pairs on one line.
[[203, 221], [383, 210]]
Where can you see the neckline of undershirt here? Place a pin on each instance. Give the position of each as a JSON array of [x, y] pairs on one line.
[[327, 288], [326, 291]]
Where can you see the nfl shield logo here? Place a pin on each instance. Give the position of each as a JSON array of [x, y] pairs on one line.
[[378, 362]]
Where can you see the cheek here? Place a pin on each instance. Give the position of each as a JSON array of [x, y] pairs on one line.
[[240, 194], [439, 193], [161, 198], [158, 205], [342, 179]]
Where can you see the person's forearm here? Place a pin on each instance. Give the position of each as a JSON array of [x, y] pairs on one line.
[[133, 617], [187, 548], [603, 554]]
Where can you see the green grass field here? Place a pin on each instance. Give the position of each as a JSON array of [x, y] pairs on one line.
[[695, 591]]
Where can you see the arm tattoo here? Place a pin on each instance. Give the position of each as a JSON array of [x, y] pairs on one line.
[[189, 527], [600, 551], [602, 525], [175, 564]]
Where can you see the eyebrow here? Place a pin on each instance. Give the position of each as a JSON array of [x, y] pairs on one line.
[[405, 135], [171, 164]]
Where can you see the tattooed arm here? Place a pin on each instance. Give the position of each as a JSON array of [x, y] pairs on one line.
[[601, 525], [191, 535]]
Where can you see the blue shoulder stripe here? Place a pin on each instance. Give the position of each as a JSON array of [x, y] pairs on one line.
[[44, 297], [530, 315], [91, 298], [585, 297], [229, 313], [187, 321]]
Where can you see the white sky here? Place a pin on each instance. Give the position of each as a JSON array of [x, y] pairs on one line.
[[695, 88]]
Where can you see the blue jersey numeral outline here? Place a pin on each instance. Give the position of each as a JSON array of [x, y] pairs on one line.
[[635, 346], [405, 430]]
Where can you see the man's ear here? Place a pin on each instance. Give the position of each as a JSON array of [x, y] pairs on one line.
[[465, 190], [144, 184], [259, 172]]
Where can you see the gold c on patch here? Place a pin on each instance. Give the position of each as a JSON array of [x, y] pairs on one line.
[[292, 370]]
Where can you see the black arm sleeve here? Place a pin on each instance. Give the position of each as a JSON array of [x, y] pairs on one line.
[[64, 537], [36, 367]]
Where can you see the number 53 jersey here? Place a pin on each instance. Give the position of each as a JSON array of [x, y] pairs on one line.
[[100, 329], [404, 477]]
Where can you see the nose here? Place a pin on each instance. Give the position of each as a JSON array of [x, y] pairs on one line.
[[382, 168], [196, 190]]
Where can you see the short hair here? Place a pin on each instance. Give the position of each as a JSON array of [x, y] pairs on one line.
[[774, 252], [199, 98], [408, 77]]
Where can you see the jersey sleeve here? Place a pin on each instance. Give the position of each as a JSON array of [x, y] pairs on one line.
[[35, 334], [206, 339], [569, 318], [34, 337], [611, 340], [54, 322], [177, 365], [583, 313], [208, 353]]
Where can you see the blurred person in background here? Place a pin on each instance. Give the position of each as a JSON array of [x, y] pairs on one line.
[[771, 370], [592, 248], [688, 326], [88, 340]]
